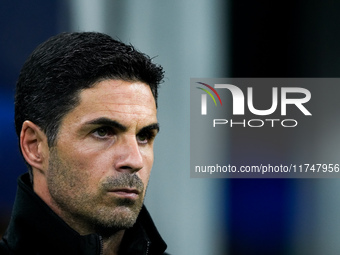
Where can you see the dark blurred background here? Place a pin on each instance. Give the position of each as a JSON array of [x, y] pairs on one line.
[[286, 216], [201, 38], [23, 26]]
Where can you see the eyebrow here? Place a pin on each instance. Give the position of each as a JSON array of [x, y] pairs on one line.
[[107, 122], [115, 124], [150, 127]]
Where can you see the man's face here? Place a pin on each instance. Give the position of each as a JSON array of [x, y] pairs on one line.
[[99, 169]]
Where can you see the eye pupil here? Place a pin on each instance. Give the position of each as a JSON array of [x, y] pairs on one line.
[[102, 132]]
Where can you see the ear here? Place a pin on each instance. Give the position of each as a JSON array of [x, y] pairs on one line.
[[34, 147]]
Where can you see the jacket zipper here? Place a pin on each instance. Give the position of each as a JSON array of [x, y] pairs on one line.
[[147, 247], [101, 245]]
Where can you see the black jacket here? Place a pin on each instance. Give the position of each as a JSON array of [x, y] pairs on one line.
[[35, 229]]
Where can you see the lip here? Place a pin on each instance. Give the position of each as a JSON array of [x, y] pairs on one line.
[[126, 193]]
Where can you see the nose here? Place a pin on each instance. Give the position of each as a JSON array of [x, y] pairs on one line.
[[128, 155]]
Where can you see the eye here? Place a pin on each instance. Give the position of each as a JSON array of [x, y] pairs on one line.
[[142, 138], [145, 137], [103, 132]]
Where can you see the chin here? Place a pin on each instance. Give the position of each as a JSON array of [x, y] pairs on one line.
[[121, 217]]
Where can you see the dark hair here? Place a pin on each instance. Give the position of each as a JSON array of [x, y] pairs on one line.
[[55, 73]]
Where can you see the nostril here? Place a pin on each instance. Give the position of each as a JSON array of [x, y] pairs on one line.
[[126, 167], [129, 169]]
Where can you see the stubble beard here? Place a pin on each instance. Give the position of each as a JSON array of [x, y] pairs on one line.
[[92, 213]]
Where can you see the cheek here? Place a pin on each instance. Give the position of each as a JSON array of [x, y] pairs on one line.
[[148, 162], [83, 156], [147, 154], [88, 170], [78, 174], [81, 168]]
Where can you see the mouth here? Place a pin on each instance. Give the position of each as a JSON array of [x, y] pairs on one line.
[[128, 193]]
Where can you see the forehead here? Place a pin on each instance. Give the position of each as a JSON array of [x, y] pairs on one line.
[[116, 91], [115, 99]]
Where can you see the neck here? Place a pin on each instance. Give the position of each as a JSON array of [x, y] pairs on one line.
[[111, 244]]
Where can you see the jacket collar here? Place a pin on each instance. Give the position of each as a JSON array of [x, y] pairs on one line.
[[34, 228]]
